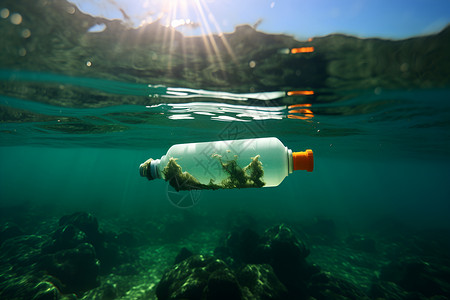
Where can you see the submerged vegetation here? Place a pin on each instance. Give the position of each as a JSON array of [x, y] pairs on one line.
[[180, 180], [247, 177]]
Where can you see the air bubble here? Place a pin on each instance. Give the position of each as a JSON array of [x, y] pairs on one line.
[[16, 19], [70, 10], [22, 52], [26, 33], [377, 91], [404, 67], [4, 13]]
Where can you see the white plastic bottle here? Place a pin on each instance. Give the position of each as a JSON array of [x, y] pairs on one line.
[[260, 162]]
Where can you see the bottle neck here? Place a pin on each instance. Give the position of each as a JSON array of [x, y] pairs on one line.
[[290, 160], [150, 169], [154, 168]]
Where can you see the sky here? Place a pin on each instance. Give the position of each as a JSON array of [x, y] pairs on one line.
[[393, 19]]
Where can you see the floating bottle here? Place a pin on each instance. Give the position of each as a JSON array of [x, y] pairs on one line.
[[260, 162]]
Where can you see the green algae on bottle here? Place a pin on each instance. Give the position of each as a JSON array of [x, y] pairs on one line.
[[260, 162]]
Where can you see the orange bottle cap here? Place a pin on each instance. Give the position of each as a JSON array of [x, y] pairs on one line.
[[303, 160]]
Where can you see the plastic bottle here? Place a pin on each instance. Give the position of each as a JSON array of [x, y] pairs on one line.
[[261, 162]]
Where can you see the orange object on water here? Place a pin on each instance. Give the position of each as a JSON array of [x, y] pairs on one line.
[[303, 160], [306, 114], [304, 117], [294, 93], [302, 50], [299, 105]]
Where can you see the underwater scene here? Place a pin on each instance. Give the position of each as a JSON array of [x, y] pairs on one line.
[[223, 149]]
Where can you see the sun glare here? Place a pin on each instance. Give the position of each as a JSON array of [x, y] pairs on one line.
[[177, 12], [192, 18], [184, 15]]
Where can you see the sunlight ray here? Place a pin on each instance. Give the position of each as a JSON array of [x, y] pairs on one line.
[[215, 49], [221, 35], [204, 38], [173, 12]]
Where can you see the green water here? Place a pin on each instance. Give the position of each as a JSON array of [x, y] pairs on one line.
[[375, 155], [77, 123]]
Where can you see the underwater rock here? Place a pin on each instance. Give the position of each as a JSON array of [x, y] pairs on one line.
[[82, 227], [67, 237], [22, 253], [200, 277], [20, 275], [361, 243], [240, 247], [278, 247], [110, 256], [258, 281], [224, 253], [106, 291], [387, 290], [183, 254], [56, 265], [84, 221], [222, 285], [9, 230], [28, 286], [324, 286], [189, 278], [47, 291], [286, 254], [430, 278], [109, 291], [281, 241], [76, 268]]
